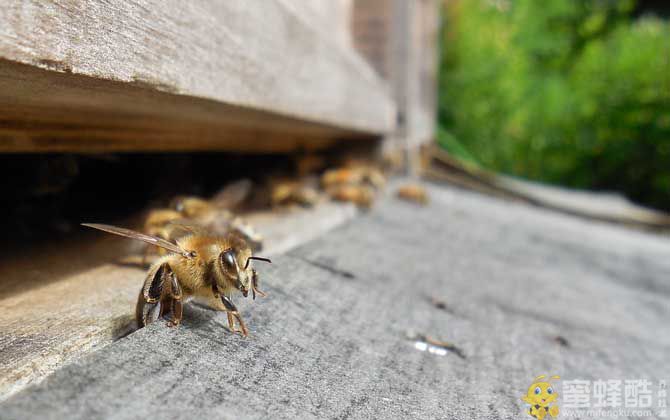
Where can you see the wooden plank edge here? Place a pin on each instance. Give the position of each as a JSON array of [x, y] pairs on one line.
[[45, 111], [54, 321]]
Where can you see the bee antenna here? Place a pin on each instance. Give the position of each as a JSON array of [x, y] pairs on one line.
[[256, 258]]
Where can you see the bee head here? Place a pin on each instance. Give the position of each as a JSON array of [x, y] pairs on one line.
[[232, 264]]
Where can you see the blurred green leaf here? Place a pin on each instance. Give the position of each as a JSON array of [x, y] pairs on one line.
[[569, 92]]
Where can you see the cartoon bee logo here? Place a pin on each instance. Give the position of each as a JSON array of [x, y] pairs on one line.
[[542, 398]]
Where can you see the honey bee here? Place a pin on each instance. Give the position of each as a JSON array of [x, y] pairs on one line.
[[166, 223], [355, 173], [357, 182], [413, 192], [289, 191], [233, 195], [192, 206], [361, 195], [157, 221], [199, 265]]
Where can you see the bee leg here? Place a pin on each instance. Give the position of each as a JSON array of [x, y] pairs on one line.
[[149, 304], [233, 312], [146, 313], [254, 286], [177, 304], [231, 321]]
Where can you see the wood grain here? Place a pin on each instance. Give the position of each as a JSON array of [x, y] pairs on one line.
[[48, 111], [203, 74]]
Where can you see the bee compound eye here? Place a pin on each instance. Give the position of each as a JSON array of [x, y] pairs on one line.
[[228, 259], [538, 391]]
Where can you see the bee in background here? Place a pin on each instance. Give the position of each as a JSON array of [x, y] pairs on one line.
[[217, 214], [414, 193], [358, 174], [358, 182], [355, 172], [214, 214], [361, 195], [191, 206], [231, 197], [198, 265], [156, 221], [286, 191]]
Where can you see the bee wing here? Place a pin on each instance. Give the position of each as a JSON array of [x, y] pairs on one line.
[[233, 194], [139, 236], [183, 227]]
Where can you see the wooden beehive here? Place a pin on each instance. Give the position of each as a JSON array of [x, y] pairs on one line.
[[87, 77]]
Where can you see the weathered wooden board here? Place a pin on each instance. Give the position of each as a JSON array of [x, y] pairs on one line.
[[59, 301], [209, 74], [400, 40], [48, 111], [339, 336]]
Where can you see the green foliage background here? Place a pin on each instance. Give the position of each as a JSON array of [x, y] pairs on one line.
[[571, 92]]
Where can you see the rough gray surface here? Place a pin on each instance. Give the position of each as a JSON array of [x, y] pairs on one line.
[[331, 340]]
